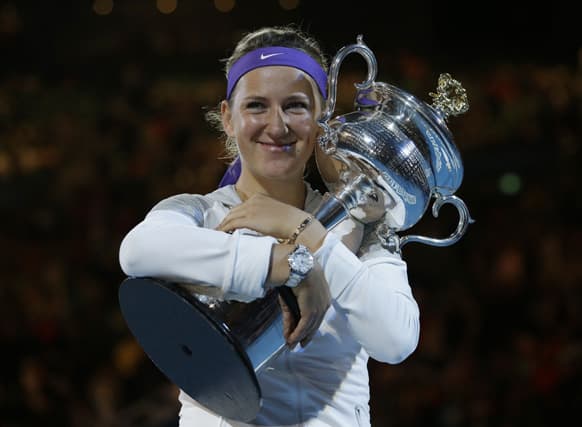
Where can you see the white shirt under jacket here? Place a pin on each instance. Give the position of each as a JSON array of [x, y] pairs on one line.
[[373, 312]]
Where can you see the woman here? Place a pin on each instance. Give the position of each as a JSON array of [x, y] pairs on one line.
[[353, 296]]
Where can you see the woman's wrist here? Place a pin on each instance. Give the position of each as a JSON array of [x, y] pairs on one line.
[[279, 267], [312, 236], [298, 230], [309, 232]]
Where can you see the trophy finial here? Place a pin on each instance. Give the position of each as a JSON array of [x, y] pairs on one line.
[[450, 97]]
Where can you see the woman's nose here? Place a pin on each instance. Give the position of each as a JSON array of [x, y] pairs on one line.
[[277, 125]]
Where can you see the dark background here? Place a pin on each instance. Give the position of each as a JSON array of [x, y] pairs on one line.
[[101, 115]]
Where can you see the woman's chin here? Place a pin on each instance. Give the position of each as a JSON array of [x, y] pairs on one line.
[[281, 171]]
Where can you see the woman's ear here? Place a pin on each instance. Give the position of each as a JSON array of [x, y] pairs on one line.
[[226, 115]]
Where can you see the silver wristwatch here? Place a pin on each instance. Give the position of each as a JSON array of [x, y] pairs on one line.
[[300, 264]]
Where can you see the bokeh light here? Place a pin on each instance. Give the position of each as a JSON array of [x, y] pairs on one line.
[[103, 7], [224, 5], [166, 6], [288, 4], [510, 183]]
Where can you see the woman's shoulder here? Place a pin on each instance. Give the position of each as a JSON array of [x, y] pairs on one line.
[[225, 194], [193, 204]]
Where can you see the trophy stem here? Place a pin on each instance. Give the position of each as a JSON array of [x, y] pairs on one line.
[[356, 197], [331, 211]]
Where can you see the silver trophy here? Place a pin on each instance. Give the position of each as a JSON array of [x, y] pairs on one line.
[[395, 155]]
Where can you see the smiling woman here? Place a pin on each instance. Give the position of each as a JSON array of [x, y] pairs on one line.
[[272, 116], [257, 234]]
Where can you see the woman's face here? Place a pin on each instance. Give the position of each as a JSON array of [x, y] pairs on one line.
[[273, 117]]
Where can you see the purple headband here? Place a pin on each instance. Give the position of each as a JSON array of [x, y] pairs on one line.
[[277, 55], [232, 173]]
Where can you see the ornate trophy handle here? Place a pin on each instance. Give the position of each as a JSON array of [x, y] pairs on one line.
[[328, 140], [391, 241]]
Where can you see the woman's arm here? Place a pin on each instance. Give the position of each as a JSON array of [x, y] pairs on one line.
[[374, 294], [172, 245]]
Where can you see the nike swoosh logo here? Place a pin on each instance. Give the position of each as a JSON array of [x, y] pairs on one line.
[[263, 56]]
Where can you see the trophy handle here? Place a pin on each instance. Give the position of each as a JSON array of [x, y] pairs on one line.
[[328, 140], [391, 241]]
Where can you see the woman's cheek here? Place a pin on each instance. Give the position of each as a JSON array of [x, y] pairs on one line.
[[309, 125], [249, 121]]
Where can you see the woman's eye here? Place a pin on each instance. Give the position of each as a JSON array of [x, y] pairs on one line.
[[254, 105], [297, 105]]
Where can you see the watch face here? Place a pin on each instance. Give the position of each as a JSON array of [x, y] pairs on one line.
[[301, 260]]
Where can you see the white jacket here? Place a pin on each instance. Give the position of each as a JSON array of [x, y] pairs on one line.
[[373, 312]]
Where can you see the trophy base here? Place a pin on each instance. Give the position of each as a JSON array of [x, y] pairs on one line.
[[195, 352]]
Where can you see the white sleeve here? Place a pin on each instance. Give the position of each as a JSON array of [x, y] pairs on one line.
[[171, 246], [374, 294]]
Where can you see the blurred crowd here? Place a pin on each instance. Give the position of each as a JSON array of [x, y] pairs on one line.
[[80, 164]]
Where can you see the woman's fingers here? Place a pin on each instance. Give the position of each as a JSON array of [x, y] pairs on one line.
[[313, 298], [289, 322], [313, 330], [263, 214], [236, 218], [304, 330]]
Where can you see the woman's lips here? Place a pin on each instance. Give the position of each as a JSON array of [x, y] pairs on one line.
[[277, 148]]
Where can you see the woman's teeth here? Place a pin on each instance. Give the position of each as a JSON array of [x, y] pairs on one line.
[[277, 147]]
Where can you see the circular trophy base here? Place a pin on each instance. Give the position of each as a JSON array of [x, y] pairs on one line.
[[192, 350]]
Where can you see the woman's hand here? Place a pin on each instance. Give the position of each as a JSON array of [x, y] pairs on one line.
[[313, 298], [329, 168], [277, 219], [264, 215]]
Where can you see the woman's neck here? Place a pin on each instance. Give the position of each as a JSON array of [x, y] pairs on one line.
[[292, 193]]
